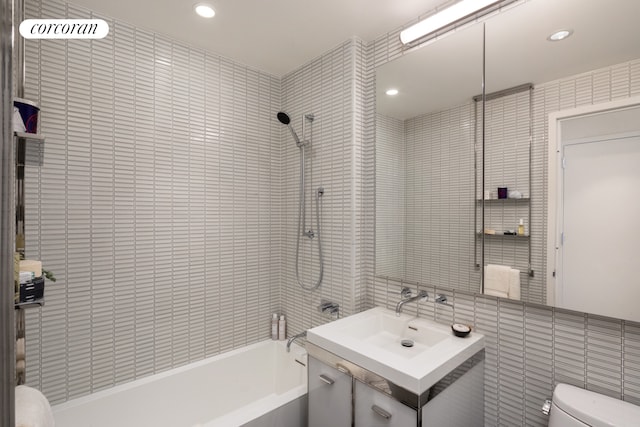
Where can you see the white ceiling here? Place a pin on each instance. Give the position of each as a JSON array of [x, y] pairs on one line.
[[448, 72], [276, 36]]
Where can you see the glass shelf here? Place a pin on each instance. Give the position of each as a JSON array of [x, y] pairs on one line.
[[29, 304], [38, 137], [521, 199], [503, 236]]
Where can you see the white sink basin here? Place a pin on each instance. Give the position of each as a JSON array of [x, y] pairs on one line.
[[372, 339], [386, 331]]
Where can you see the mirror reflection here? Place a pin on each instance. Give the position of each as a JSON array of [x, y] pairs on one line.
[[598, 63], [425, 209]]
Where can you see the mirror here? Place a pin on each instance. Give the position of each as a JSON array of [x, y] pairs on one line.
[[598, 63], [425, 135]]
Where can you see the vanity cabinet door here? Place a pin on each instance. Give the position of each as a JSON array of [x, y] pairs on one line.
[[375, 409], [329, 396]]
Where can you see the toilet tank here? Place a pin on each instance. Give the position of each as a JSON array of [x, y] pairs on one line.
[[575, 407]]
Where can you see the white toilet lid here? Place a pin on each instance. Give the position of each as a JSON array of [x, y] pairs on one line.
[[595, 409]]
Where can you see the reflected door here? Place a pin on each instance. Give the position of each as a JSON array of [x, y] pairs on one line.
[[600, 234]]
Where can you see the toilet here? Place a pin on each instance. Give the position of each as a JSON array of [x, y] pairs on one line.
[[574, 407]]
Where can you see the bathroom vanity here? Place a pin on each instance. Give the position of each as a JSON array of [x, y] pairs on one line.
[[379, 369]]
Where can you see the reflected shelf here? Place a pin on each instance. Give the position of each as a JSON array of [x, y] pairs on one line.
[[38, 137], [30, 304], [503, 236], [521, 199]]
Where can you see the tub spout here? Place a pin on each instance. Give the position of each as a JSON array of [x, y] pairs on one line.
[[293, 338]]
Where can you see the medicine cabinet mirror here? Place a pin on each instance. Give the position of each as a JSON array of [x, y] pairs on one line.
[[425, 137], [531, 80]]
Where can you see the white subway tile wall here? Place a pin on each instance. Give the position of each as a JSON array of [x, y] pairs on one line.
[[158, 206], [390, 178], [440, 199]]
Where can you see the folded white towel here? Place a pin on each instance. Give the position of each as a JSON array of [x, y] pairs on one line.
[[32, 408], [495, 293], [20, 349], [514, 284], [496, 278]]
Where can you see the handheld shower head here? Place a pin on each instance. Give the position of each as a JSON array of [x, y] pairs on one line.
[[286, 120]]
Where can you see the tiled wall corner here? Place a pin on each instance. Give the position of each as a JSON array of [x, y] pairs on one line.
[[368, 200], [330, 88]]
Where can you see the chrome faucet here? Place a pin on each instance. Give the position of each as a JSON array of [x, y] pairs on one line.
[[407, 298], [293, 338]]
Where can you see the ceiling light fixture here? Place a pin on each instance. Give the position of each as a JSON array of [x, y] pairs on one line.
[[392, 92], [559, 35], [204, 10], [448, 16]]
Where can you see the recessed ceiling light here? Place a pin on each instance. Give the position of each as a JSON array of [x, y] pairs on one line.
[[392, 92], [559, 35], [204, 10]]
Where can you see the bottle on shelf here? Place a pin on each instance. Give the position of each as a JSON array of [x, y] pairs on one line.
[[521, 227]]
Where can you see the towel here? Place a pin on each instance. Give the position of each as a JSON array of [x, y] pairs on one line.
[[20, 349], [496, 279], [32, 408], [502, 281], [514, 284], [495, 293]]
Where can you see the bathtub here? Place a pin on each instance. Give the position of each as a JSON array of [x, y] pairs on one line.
[[256, 386]]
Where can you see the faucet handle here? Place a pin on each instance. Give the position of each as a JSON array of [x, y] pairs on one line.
[[406, 292], [443, 299], [332, 308]]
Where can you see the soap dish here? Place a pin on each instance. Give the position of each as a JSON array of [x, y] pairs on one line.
[[460, 330]]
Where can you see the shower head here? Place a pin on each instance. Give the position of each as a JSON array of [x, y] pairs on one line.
[[286, 120]]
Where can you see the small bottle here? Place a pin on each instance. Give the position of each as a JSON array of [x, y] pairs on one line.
[[282, 328], [274, 326], [521, 227]]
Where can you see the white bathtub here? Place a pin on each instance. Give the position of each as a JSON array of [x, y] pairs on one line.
[[258, 385]]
